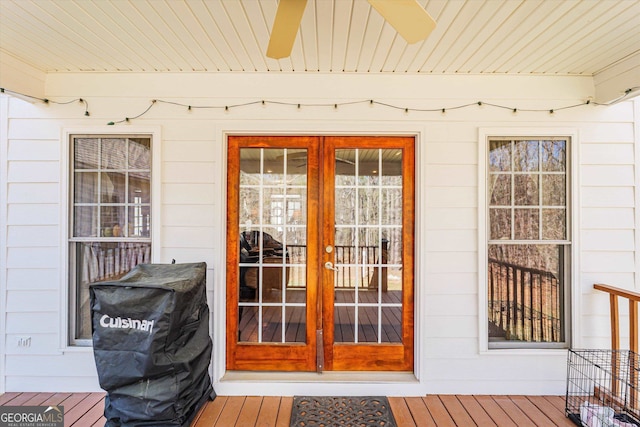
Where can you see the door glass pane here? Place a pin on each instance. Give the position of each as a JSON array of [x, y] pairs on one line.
[[271, 324], [368, 166], [273, 255], [295, 324], [391, 321], [391, 206], [346, 199], [368, 324], [368, 246], [344, 320], [249, 206], [391, 167], [345, 167]]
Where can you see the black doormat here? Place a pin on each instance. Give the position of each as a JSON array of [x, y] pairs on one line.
[[341, 411]]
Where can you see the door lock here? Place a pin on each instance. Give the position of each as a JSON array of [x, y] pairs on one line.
[[329, 266]]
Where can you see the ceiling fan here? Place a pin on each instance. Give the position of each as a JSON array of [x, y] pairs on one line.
[[409, 19]]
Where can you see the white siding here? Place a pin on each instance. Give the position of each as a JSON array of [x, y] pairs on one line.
[[608, 233], [193, 206]]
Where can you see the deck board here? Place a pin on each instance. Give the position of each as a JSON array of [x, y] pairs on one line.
[[284, 413], [554, 413], [93, 413], [457, 412], [231, 411], [514, 412], [438, 411], [57, 399], [86, 409], [73, 400], [532, 411], [401, 412], [209, 414], [38, 399], [476, 411], [71, 417], [268, 413], [250, 410], [497, 414], [6, 398]]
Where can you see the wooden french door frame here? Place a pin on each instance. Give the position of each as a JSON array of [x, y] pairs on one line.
[[366, 356], [319, 351], [264, 356]]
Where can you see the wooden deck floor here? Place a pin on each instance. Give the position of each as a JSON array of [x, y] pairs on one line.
[[85, 410]]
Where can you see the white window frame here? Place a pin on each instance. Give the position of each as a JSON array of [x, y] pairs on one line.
[[67, 333], [572, 295]]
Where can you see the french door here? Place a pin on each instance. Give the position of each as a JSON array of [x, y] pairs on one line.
[[320, 253]]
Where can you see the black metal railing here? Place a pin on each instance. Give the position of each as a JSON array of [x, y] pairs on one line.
[[525, 304], [358, 266]]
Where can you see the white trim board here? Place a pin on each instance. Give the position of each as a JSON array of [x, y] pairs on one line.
[[4, 151]]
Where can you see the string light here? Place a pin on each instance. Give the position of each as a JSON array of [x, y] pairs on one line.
[[86, 106], [48, 101], [128, 119], [370, 102]]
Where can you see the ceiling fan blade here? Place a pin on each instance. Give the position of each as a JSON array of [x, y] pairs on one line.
[[285, 28], [409, 19]]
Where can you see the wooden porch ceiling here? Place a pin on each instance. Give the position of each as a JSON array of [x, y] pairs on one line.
[[515, 37], [85, 409]]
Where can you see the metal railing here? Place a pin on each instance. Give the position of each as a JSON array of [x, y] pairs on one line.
[[358, 266], [525, 303]]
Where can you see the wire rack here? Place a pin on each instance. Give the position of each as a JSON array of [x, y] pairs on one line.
[[602, 388]]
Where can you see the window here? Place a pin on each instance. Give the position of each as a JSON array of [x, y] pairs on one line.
[[110, 216], [528, 242]]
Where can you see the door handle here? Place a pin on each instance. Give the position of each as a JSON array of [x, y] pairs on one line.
[[329, 266]]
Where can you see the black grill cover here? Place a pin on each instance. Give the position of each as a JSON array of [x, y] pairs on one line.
[[151, 344]]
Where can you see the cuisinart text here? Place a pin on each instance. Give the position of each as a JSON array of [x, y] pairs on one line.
[[126, 323]]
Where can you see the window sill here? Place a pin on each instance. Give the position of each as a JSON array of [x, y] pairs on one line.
[[551, 352]]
